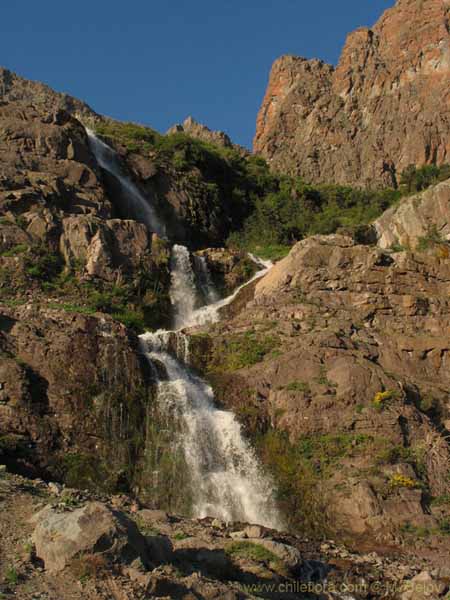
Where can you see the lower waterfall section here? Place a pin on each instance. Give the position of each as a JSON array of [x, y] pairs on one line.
[[224, 477]]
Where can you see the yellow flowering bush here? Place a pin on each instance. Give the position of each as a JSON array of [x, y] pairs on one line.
[[402, 481], [381, 398]]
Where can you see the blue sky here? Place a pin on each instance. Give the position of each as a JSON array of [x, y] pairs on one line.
[[156, 62]]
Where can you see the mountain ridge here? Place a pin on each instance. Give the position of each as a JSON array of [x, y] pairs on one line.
[[384, 106]]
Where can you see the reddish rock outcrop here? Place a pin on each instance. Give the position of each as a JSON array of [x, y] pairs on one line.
[[386, 105], [350, 342]]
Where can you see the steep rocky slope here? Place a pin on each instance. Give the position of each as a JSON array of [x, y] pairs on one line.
[[14, 88], [385, 106], [337, 364], [197, 181]]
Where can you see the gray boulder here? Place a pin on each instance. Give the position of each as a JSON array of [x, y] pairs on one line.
[[92, 529]]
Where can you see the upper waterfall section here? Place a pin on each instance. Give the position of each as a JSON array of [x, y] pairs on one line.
[[138, 206]]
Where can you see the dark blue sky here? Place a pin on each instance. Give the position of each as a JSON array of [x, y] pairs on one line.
[[157, 62]]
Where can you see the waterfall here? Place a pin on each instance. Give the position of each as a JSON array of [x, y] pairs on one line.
[[139, 206], [206, 284], [183, 291], [210, 313], [226, 480]]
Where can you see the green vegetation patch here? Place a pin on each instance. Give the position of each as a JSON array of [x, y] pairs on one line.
[[298, 386], [15, 250], [416, 179], [134, 137], [431, 240], [299, 470], [295, 210], [243, 350], [250, 551]]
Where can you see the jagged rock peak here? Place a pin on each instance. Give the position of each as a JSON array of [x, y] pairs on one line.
[[385, 106], [197, 130]]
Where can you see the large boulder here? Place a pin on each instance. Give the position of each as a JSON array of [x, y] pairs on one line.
[[416, 217], [105, 247], [92, 529]]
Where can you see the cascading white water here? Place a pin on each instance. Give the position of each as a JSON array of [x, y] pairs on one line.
[[183, 291], [210, 313], [207, 286], [226, 480], [139, 206]]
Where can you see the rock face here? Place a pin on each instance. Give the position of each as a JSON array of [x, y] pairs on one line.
[[13, 88], [46, 159], [385, 106], [228, 269], [65, 379], [347, 344], [416, 218]]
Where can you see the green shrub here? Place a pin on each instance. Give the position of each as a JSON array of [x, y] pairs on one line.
[[43, 265], [410, 529], [430, 240], [11, 576], [444, 526], [443, 500], [134, 137], [132, 319], [296, 210], [83, 471]]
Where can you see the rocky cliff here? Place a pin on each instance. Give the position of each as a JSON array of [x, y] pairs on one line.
[[336, 364], [79, 275], [385, 106]]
